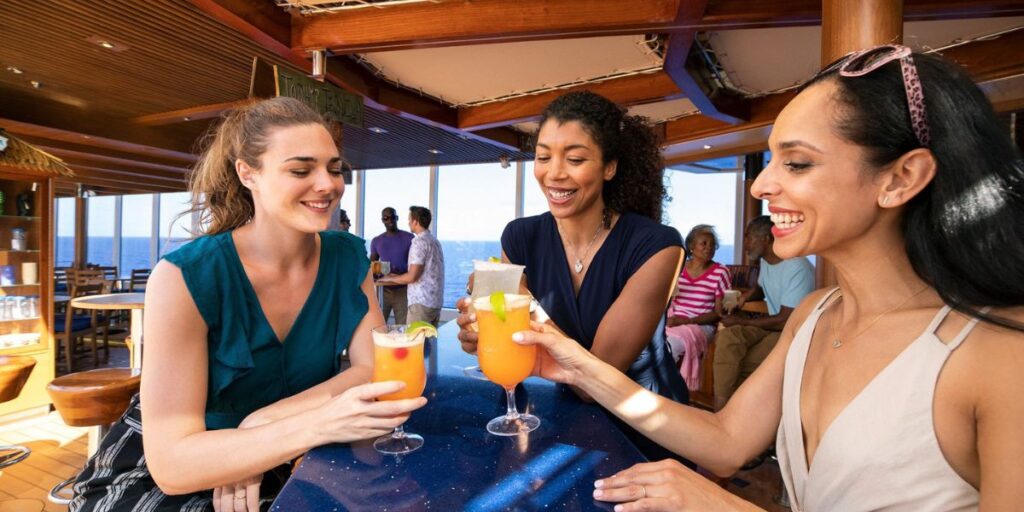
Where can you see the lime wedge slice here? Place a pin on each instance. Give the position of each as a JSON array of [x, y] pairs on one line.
[[498, 304], [426, 328], [493, 259]]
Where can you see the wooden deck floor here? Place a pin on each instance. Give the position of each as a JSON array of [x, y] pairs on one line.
[[58, 452]]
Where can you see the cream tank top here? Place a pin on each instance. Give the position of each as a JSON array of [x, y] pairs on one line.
[[881, 452]]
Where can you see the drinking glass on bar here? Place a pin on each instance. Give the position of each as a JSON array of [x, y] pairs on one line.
[[490, 277], [398, 355], [505, 362]]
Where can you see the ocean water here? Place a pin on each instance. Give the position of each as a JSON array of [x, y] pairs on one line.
[[458, 257]]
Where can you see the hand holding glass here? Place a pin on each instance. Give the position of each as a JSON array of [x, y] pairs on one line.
[[398, 355]]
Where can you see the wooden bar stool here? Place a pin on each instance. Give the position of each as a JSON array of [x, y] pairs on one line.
[[14, 372], [94, 398]]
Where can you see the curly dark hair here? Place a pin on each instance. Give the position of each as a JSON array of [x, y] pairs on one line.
[[638, 185]]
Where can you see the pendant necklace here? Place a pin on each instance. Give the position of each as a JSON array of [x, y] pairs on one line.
[[578, 267], [836, 343]]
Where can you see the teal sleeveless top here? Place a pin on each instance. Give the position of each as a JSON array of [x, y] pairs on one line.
[[249, 367]]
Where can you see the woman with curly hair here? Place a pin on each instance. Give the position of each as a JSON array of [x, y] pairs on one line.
[[600, 262]]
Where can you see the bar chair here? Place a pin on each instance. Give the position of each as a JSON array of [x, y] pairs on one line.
[[140, 276], [93, 398], [14, 372], [69, 327]]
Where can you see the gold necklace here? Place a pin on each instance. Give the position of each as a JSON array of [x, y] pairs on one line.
[[578, 267], [836, 343]]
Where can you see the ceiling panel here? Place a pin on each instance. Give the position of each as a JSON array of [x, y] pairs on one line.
[[463, 74]]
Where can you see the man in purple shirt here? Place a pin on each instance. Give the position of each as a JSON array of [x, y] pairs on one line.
[[393, 246]]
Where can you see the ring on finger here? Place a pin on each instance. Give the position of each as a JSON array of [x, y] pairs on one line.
[[643, 492]]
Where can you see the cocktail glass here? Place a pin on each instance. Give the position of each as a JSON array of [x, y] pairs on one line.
[[490, 277], [398, 355], [505, 362]]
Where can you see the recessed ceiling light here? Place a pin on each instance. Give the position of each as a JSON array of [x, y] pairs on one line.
[[37, 84], [435, 151], [187, 118], [14, 70], [707, 146], [377, 129], [108, 43]]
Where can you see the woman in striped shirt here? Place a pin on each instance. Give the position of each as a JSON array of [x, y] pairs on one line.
[[697, 304]]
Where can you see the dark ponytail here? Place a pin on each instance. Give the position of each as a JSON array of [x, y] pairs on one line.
[[965, 231], [638, 185]]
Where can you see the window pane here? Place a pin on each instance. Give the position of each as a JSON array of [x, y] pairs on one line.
[[704, 199], [397, 188], [474, 202], [534, 202], [174, 230], [100, 230], [136, 232], [64, 248]]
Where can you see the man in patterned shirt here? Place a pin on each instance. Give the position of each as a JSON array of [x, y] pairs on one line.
[[425, 276]]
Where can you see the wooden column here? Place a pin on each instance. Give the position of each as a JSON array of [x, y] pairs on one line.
[[752, 166], [80, 232], [847, 26]]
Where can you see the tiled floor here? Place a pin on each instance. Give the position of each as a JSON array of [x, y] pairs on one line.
[[59, 451]]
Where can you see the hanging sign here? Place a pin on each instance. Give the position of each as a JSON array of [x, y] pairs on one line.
[[329, 100]]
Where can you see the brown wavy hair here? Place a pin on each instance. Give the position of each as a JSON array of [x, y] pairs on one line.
[[638, 185], [218, 196]]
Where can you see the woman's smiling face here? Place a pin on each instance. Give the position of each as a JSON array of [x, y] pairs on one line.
[[818, 188], [570, 169]]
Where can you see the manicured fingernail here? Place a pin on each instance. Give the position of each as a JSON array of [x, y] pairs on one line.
[[618, 508], [518, 336], [599, 483], [598, 493]]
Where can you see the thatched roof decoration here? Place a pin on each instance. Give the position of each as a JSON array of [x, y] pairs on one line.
[[23, 157]]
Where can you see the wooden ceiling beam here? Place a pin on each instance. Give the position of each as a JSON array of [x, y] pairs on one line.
[[191, 114], [763, 112], [89, 179], [993, 59], [101, 155], [85, 171], [139, 166], [481, 21], [269, 32], [627, 91], [739, 14]]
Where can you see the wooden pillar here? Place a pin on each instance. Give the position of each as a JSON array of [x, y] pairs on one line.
[[81, 234], [848, 26], [753, 165]]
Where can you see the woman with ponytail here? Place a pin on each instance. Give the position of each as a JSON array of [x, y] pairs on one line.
[[899, 389], [600, 262], [245, 327]]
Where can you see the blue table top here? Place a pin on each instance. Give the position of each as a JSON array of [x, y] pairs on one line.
[[461, 466]]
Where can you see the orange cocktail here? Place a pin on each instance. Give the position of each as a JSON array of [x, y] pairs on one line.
[[502, 360], [398, 355]]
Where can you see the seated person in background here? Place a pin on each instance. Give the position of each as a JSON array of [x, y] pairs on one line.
[[245, 326], [745, 341], [600, 262], [697, 305]]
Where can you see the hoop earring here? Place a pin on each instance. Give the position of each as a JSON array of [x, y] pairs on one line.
[[885, 200]]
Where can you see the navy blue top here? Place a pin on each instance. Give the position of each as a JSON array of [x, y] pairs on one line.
[[249, 367], [535, 243]]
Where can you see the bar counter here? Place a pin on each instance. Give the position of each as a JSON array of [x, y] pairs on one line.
[[463, 467]]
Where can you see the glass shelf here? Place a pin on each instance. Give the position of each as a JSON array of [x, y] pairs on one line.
[[22, 217]]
